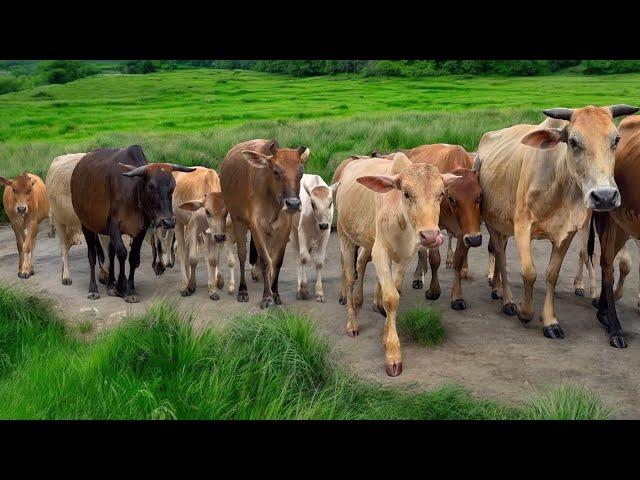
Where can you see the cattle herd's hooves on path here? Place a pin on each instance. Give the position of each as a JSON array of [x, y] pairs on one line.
[[66, 281], [618, 341], [266, 302], [524, 318], [553, 331], [509, 309], [132, 298], [93, 296], [417, 284], [394, 369], [579, 292], [431, 295], [214, 296], [495, 295], [243, 296], [342, 300], [459, 304]]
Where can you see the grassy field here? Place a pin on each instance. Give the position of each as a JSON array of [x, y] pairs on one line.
[[268, 366]]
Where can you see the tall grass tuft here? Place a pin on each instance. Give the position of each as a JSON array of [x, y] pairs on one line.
[[423, 325], [568, 403], [267, 366]]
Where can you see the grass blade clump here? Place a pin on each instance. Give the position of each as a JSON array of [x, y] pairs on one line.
[[423, 325]]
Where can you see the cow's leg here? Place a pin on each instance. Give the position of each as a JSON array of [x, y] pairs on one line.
[[638, 245], [254, 260], [172, 249], [19, 233], [240, 233], [500, 275], [65, 245], [612, 239], [348, 250], [578, 281], [155, 257], [91, 239], [434, 262], [460, 256], [464, 271], [450, 261], [491, 267], [104, 264], [551, 328], [421, 268], [624, 264], [183, 258], [320, 256], [191, 239], [213, 255], [522, 233], [390, 300], [120, 250], [364, 257], [378, 304], [28, 247], [265, 263], [231, 263], [277, 260], [299, 246], [134, 262], [111, 276]]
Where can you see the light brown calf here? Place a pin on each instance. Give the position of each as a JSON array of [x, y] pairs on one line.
[[388, 207], [26, 204]]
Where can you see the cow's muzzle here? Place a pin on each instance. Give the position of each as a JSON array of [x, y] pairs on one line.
[[473, 240], [220, 238], [169, 222], [292, 204], [21, 209], [323, 226], [603, 198], [431, 238]]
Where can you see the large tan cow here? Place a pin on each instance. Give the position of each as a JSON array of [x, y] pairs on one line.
[[459, 214], [261, 188], [64, 220], [388, 208], [538, 182], [26, 204]]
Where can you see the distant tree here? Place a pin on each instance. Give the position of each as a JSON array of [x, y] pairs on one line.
[[64, 71]]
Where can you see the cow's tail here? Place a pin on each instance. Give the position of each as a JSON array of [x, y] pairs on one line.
[[253, 253], [591, 242]]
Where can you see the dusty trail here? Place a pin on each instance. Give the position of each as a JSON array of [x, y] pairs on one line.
[[486, 351]]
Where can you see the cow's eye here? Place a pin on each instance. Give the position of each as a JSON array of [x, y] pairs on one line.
[[150, 187], [406, 194], [452, 200], [616, 141], [208, 212], [276, 173], [573, 143]]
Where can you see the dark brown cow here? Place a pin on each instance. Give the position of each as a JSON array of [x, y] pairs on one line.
[[459, 215], [115, 192], [617, 225], [261, 187]]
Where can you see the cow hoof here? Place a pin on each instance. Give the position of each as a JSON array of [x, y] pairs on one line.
[[394, 369], [214, 296], [158, 271], [579, 292], [24, 275], [494, 295], [353, 332], [276, 298], [459, 304], [342, 300], [303, 294], [594, 302], [185, 292], [431, 295], [103, 277], [380, 310], [618, 341], [131, 298], [553, 331], [320, 298], [417, 284], [66, 281], [113, 292], [266, 303], [243, 296], [220, 282], [464, 275], [524, 318], [509, 309], [191, 289], [93, 296]]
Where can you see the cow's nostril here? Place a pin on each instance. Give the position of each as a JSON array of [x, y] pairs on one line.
[[21, 209], [292, 203], [323, 226], [220, 238], [473, 240], [605, 198], [168, 222]]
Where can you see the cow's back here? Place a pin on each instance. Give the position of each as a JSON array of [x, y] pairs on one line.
[[239, 181], [58, 182], [444, 157], [356, 203], [627, 176]]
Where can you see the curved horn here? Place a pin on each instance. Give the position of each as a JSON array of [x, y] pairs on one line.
[[181, 168], [304, 153], [559, 113], [622, 109], [136, 172]]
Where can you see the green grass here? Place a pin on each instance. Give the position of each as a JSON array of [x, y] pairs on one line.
[[423, 325], [268, 366]]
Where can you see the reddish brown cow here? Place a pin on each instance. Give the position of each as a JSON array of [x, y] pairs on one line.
[[459, 214], [114, 192], [26, 203], [261, 187]]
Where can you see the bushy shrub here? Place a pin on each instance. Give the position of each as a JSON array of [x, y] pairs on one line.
[[599, 67], [64, 71], [9, 83], [139, 67]]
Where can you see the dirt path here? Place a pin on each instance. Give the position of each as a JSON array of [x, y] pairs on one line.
[[491, 354]]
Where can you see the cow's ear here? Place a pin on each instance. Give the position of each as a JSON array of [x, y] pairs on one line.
[[544, 139], [256, 159], [5, 182], [334, 188], [304, 153], [193, 205], [448, 178], [378, 183]]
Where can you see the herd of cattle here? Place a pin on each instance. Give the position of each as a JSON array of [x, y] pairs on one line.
[[573, 172]]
